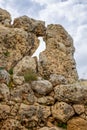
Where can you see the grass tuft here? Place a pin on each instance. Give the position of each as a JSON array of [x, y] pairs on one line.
[[30, 76], [62, 125]]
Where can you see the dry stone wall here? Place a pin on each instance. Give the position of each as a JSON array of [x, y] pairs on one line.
[[44, 95]]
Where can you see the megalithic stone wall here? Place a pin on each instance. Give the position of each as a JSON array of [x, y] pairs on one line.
[[39, 95]]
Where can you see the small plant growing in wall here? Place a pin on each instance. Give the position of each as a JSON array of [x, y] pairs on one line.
[[10, 71], [62, 125], [7, 53], [30, 75]]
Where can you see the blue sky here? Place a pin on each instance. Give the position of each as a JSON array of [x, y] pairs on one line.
[[72, 14]]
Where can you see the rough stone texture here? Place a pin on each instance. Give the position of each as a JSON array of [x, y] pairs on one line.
[[14, 45], [47, 100], [4, 92], [18, 80], [62, 111], [11, 124], [79, 109], [42, 87], [4, 111], [40, 104], [58, 56], [57, 79], [77, 124], [71, 93], [52, 128], [44, 128], [27, 63], [23, 93], [32, 115], [56, 128], [30, 25], [83, 116], [5, 18], [4, 76]]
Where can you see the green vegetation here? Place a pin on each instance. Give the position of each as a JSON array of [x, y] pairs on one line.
[[30, 76], [11, 84], [1, 68], [7, 53], [63, 125], [10, 71]]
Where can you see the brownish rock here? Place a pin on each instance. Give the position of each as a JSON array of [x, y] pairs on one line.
[[30, 25], [14, 45], [5, 17], [77, 124], [79, 109], [42, 87], [33, 115], [4, 92], [58, 56], [12, 124], [4, 111], [71, 93], [62, 111], [4, 76]]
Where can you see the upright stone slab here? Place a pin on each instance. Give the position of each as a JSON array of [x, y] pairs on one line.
[[58, 56]]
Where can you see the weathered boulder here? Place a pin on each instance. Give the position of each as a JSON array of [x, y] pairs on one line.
[[14, 45], [4, 76], [47, 100], [79, 108], [57, 79], [62, 111], [4, 111], [33, 115], [71, 93], [12, 124], [77, 124], [23, 93], [18, 80], [30, 25], [4, 92], [58, 56], [27, 63], [42, 87], [5, 17]]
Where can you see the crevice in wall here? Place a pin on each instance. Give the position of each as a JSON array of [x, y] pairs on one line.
[[42, 47]]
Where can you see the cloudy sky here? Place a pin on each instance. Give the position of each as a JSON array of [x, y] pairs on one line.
[[72, 14]]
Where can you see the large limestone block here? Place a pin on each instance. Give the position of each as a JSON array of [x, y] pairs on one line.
[[57, 79], [27, 63], [4, 92], [58, 56], [62, 111], [33, 115], [77, 124], [71, 93], [30, 25], [12, 124], [79, 108], [14, 45], [23, 93], [4, 111], [4, 76], [46, 100], [42, 87], [5, 17]]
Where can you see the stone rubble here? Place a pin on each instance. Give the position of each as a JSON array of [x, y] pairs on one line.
[[44, 94]]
